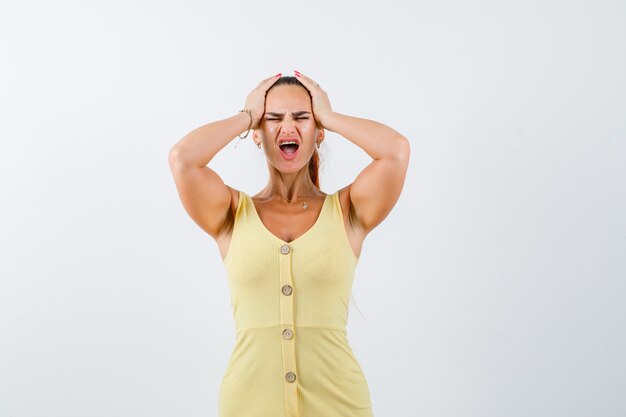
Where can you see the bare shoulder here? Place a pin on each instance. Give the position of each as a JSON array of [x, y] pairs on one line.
[[355, 231], [348, 211], [229, 219], [223, 238], [344, 200]]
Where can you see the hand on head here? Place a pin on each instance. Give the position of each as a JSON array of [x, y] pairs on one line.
[[320, 103], [255, 102]]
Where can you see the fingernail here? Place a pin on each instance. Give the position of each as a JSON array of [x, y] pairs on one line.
[[278, 75]]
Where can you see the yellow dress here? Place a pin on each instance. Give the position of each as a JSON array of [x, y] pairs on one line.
[[291, 356]]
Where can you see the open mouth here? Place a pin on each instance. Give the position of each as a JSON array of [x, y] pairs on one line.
[[289, 149]]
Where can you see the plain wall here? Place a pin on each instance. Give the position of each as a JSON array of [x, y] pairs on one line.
[[494, 288]]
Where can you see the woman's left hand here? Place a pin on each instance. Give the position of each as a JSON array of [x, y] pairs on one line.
[[321, 104]]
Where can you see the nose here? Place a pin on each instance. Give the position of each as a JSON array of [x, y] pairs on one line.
[[288, 127]]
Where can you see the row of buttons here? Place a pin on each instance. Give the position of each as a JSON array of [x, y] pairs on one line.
[[287, 333]]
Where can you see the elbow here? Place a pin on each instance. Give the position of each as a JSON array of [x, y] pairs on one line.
[[403, 149], [175, 156]]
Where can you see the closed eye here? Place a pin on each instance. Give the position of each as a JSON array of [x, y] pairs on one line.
[[296, 118]]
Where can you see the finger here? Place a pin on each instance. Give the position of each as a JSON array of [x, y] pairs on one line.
[[266, 80], [302, 77], [307, 81], [272, 80]]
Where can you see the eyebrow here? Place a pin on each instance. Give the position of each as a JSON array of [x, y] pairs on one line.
[[297, 113]]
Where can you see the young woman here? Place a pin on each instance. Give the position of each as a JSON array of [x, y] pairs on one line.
[[290, 250]]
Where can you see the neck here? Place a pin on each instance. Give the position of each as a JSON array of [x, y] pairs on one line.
[[291, 187]]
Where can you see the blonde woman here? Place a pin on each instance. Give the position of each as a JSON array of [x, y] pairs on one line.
[[290, 250]]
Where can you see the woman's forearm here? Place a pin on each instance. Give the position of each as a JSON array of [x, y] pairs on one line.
[[199, 146], [376, 139]]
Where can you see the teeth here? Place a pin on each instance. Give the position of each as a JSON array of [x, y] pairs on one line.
[[285, 143]]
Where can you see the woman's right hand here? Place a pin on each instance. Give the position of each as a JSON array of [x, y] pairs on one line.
[[255, 102]]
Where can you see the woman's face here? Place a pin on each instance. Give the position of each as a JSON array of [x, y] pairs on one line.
[[288, 115]]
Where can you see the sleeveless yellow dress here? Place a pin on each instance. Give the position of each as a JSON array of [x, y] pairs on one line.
[[291, 356]]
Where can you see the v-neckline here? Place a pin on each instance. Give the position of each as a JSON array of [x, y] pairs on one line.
[[319, 216]]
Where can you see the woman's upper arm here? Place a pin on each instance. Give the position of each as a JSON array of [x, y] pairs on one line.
[[204, 196], [377, 188]]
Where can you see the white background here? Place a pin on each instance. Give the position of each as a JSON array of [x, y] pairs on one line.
[[494, 288]]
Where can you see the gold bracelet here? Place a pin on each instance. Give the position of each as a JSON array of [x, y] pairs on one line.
[[249, 126]]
